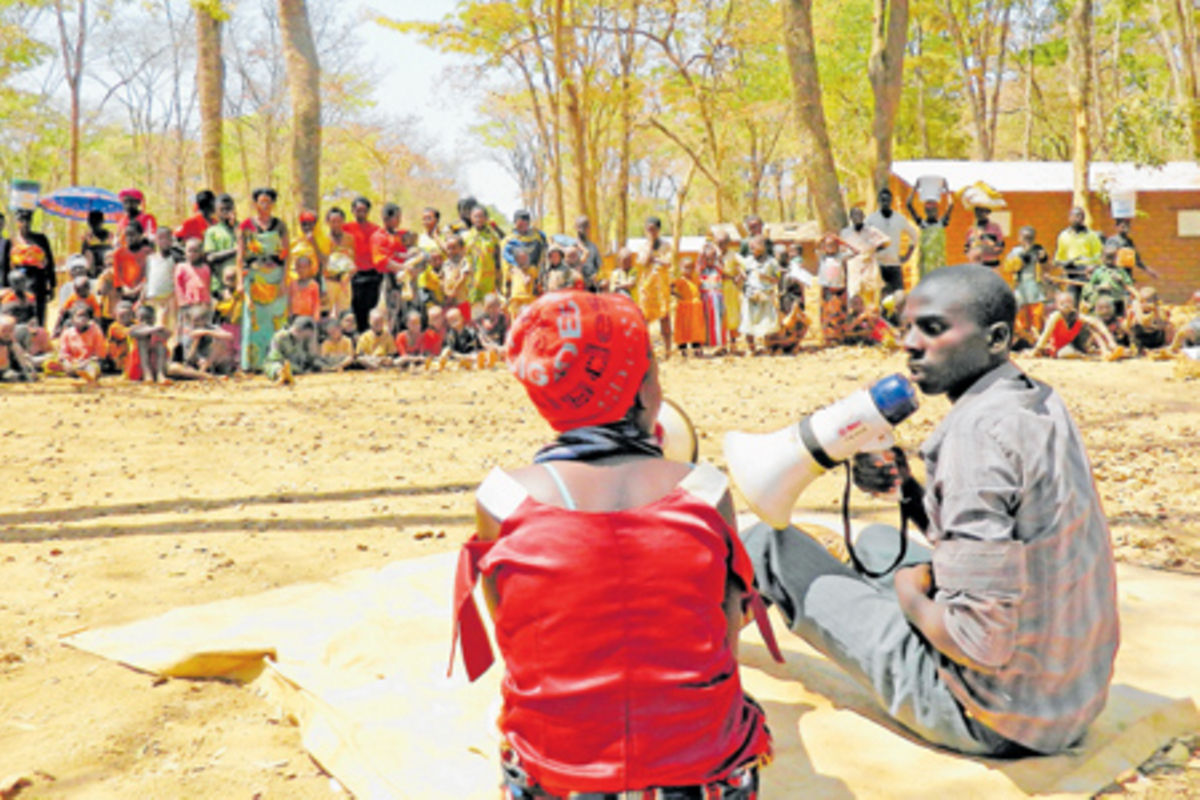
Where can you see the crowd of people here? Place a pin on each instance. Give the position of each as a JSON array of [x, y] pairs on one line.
[[218, 295]]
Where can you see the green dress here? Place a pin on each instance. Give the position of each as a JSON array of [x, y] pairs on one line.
[[931, 254], [266, 296]]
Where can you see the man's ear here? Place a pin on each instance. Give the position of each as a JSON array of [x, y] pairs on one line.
[[999, 336]]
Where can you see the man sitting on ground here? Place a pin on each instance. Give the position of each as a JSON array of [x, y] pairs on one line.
[[293, 351], [1001, 640]]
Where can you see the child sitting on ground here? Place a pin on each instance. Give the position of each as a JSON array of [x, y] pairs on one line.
[[1150, 327], [462, 343], [414, 345], [1070, 334], [376, 347], [337, 351], [864, 326], [80, 348], [15, 363], [118, 343], [203, 351], [293, 351], [1106, 312], [148, 356]]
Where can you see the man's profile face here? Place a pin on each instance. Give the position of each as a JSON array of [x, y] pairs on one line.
[[947, 350]]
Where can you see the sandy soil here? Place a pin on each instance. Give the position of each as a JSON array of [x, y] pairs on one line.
[[125, 502]]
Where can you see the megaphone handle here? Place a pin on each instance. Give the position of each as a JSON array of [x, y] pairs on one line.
[[859, 565]]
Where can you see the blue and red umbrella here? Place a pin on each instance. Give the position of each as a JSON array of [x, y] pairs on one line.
[[75, 202]]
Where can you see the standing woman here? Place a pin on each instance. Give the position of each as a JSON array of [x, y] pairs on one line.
[[31, 252], [262, 248], [615, 578]]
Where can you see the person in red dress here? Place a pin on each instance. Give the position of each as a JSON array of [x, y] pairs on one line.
[[615, 579]]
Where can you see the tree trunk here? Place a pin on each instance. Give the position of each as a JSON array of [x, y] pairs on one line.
[[1191, 83], [885, 68], [210, 85], [1079, 89], [575, 117], [815, 149], [1027, 136], [304, 90], [626, 51], [919, 79]]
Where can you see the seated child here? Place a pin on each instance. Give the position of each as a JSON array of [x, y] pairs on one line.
[[81, 292], [16, 365], [349, 325], [793, 324], [376, 347], [119, 345], [1070, 334], [492, 324], [414, 345], [80, 348], [337, 351], [1107, 277], [203, 351], [1187, 340], [1106, 312], [1149, 324], [19, 303], [461, 342], [77, 266], [621, 279], [864, 326], [228, 303], [293, 351], [304, 294], [149, 356]]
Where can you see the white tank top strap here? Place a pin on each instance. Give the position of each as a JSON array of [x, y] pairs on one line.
[[563, 491], [706, 483], [500, 494]]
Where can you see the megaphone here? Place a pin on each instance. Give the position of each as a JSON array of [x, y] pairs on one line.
[[772, 469], [674, 432]]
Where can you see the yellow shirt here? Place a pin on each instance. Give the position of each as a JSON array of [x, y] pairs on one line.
[[370, 344], [340, 349]]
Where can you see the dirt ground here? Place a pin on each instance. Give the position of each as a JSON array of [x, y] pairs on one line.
[[124, 502]]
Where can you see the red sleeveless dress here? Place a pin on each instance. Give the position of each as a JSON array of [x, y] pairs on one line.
[[619, 676]]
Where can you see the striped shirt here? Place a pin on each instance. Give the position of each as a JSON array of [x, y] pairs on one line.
[[1022, 562]]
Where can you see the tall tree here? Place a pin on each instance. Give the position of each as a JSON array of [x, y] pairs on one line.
[[72, 46], [1079, 88], [816, 151], [210, 83], [979, 30], [885, 68], [304, 90]]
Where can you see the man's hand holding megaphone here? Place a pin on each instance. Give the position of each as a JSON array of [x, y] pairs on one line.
[[886, 472]]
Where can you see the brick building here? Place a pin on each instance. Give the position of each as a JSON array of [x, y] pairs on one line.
[[1166, 227]]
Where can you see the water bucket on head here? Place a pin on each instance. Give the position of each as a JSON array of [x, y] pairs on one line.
[[1123, 203], [930, 188], [23, 195]]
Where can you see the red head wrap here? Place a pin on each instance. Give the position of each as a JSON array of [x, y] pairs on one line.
[[307, 216], [580, 356], [136, 194]]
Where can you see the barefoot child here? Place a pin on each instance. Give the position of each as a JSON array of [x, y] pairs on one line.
[[118, 343], [376, 348], [80, 348], [831, 277], [337, 351], [150, 345], [1150, 326], [461, 343], [1070, 334]]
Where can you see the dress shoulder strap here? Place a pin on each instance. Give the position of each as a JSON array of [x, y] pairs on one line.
[[706, 483], [500, 494]]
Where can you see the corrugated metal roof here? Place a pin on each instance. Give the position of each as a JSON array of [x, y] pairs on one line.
[[1054, 176]]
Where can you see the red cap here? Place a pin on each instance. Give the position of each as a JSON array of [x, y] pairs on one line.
[[580, 356], [308, 216], [136, 194]]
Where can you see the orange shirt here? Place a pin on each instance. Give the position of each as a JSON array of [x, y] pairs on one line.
[[128, 269], [118, 345], [304, 301], [386, 246], [90, 300], [74, 346]]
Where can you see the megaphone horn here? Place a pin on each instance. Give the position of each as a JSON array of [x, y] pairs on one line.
[[772, 469]]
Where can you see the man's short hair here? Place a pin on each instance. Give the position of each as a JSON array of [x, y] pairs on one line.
[[225, 200], [989, 299], [655, 221], [267, 190], [361, 199], [335, 210], [205, 199], [390, 210]]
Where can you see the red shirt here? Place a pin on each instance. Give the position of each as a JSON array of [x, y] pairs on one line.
[[149, 226], [618, 671], [429, 343], [193, 284], [386, 246], [192, 228], [362, 243]]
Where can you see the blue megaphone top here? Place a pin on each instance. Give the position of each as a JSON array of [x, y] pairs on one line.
[[895, 397]]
